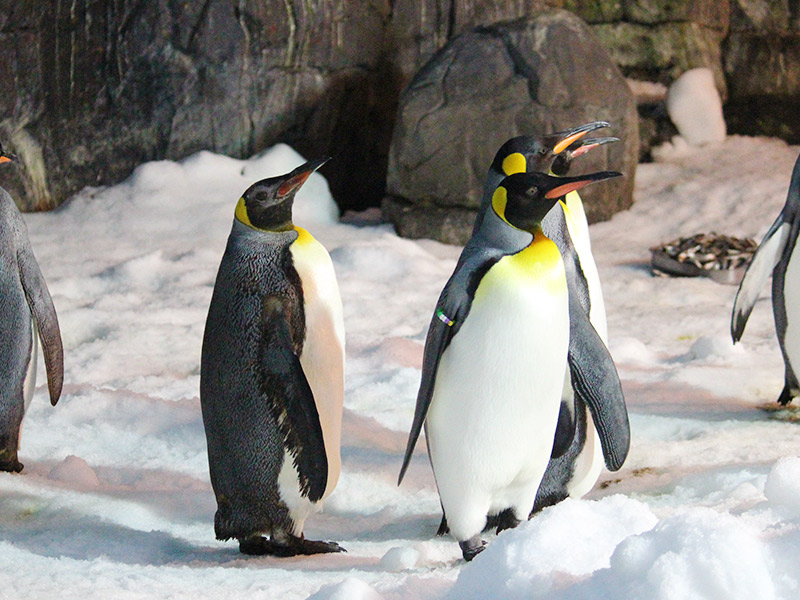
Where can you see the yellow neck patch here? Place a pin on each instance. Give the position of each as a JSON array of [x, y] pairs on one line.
[[514, 163], [241, 213]]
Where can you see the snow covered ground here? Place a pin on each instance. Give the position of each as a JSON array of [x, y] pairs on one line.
[[115, 499]]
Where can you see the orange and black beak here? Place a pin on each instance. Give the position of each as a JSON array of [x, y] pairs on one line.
[[6, 156], [564, 139], [298, 177]]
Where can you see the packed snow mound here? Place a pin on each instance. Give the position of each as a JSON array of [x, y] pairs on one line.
[[206, 175], [694, 105], [782, 487], [570, 539]]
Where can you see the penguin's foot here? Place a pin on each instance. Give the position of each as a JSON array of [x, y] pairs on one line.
[[9, 462], [786, 396], [292, 546], [472, 547], [506, 520]]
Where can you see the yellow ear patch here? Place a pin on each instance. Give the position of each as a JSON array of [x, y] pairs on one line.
[[514, 163], [499, 201], [241, 213]]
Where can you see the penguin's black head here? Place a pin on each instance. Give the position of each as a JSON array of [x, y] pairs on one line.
[[538, 153], [6, 156], [522, 200], [267, 204]]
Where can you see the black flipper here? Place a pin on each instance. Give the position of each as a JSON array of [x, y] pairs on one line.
[[565, 429], [290, 400], [596, 383], [44, 316], [768, 255], [451, 310]]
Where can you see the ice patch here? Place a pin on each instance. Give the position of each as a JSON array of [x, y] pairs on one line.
[[400, 558], [349, 589], [75, 471], [783, 485], [713, 346]]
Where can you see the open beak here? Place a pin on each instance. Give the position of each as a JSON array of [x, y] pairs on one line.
[[564, 185], [582, 146], [298, 177], [570, 136]]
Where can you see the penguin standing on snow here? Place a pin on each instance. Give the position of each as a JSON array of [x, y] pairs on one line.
[[26, 310], [272, 375], [495, 361], [578, 452], [776, 255]]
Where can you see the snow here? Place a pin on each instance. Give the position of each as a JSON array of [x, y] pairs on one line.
[[115, 499], [695, 107]]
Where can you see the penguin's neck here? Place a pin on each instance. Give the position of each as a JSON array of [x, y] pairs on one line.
[[280, 221]]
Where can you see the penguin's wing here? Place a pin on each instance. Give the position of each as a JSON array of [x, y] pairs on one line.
[[451, 310], [44, 316], [290, 400], [768, 255], [595, 382]]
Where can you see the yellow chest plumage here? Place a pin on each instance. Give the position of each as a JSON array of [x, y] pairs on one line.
[[538, 266]]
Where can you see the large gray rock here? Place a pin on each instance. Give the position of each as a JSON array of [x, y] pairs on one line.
[[492, 83], [762, 66], [91, 89]]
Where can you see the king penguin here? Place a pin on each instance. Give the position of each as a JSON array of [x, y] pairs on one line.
[[27, 315], [579, 453], [777, 254], [272, 375], [495, 360]]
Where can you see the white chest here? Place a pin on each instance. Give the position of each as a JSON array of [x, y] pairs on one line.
[[791, 296]]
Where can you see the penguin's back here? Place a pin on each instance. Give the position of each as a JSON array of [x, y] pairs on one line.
[[15, 314], [244, 443]]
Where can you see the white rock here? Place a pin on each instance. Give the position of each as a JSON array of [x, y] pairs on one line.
[[694, 105]]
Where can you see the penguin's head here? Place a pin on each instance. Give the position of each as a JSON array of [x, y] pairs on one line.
[[267, 204], [6, 156], [523, 199], [537, 153]]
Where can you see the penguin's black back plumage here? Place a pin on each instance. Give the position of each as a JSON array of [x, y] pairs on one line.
[[240, 429], [23, 296]]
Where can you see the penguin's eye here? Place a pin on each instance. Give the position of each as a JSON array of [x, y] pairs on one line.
[[262, 196], [543, 151], [532, 191]]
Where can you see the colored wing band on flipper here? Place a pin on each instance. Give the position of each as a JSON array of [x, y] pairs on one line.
[[44, 316], [290, 400], [451, 310], [766, 257]]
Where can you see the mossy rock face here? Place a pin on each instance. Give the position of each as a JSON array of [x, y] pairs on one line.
[[493, 83], [713, 14], [596, 11], [663, 51]]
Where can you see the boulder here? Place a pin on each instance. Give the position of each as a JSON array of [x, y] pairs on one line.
[[762, 66], [492, 83], [92, 89]]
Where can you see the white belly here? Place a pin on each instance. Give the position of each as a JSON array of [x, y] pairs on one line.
[[322, 360], [30, 376], [492, 418], [791, 296]]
